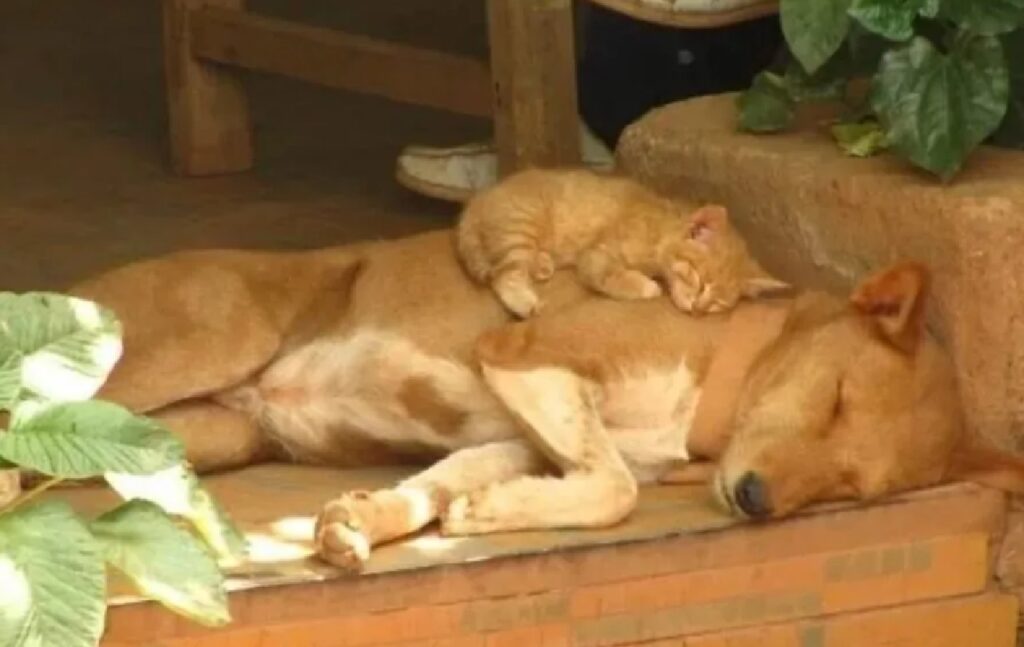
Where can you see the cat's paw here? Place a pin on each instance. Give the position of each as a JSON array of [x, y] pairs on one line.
[[650, 290], [543, 267], [629, 286], [522, 302]]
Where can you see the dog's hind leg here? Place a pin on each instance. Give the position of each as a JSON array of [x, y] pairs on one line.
[[356, 521], [199, 322], [215, 437]]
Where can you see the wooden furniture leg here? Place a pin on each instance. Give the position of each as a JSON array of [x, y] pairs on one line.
[[210, 131], [536, 120]]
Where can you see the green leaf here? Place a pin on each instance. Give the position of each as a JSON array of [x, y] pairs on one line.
[[53, 590], [892, 19], [815, 29], [177, 491], [10, 381], [54, 347], [1011, 131], [936, 107], [864, 51], [83, 439], [930, 8], [165, 562], [827, 84], [860, 139], [766, 106], [986, 17]]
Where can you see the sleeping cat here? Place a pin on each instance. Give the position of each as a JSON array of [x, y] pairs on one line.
[[623, 239]]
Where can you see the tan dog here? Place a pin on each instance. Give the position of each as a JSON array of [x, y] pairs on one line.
[[382, 352]]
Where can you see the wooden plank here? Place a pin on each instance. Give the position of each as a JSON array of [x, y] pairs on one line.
[[209, 126], [536, 121], [339, 60]]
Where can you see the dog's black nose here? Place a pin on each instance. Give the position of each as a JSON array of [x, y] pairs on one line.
[[751, 495]]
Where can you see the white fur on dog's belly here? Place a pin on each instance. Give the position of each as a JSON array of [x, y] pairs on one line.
[[351, 385], [649, 415]]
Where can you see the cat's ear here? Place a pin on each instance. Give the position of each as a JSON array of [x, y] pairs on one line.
[[766, 286], [762, 284], [708, 222]]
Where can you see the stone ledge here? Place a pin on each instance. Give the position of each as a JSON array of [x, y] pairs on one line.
[[822, 219]]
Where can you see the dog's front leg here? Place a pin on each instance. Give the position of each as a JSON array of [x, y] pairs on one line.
[[558, 409], [349, 526]]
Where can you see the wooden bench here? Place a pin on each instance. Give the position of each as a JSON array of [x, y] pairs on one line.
[[529, 87]]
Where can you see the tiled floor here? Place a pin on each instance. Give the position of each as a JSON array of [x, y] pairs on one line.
[[84, 181]]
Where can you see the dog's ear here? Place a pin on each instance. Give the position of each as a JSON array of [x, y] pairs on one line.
[[894, 300], [988, 466], [707, 222]]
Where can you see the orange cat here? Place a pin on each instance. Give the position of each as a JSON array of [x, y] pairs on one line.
[[621, 237]]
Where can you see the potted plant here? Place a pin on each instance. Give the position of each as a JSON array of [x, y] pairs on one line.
[[930, 80]]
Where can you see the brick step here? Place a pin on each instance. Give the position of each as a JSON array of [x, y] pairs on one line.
[[799, 587], [629, 584], [667, 606], [985, 620]]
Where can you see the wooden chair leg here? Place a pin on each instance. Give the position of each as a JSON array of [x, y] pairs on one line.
[[210, 130], [536, 120]]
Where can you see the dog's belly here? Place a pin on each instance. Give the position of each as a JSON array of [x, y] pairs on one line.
[[371, 398]]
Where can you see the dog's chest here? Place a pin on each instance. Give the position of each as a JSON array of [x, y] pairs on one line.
[[649, 414]]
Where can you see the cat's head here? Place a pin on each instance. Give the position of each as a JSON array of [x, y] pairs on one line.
[[720, 256]]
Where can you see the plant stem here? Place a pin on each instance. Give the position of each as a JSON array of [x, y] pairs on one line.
[[31, 494]]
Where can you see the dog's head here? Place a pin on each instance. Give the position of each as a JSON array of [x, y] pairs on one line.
[[853, 400]]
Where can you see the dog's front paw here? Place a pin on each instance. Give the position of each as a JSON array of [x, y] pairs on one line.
[[342, 531], [469, 514], [458, 516]]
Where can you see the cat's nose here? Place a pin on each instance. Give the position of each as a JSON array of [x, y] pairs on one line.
[[751, 496]]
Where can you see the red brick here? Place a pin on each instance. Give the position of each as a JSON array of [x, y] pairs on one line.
[[824, 583], [988, 620]]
